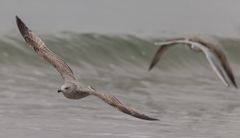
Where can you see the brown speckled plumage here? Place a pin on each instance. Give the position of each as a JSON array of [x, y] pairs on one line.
[[77, 91]]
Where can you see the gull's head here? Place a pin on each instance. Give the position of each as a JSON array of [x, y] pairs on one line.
[[192, 46], [67, 88], [195, 47]]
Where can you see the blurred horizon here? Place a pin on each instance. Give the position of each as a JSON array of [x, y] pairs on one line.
[[138, 17]]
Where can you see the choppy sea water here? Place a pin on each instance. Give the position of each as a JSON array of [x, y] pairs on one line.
[[182, 91]]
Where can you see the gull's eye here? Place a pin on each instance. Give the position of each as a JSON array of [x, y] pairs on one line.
[[66, 88]]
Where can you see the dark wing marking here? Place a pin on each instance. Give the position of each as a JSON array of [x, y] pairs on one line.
[[41, 49], [162, 49], [220, 54], [113, 101]]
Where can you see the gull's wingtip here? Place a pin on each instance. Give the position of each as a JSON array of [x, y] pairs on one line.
[[18, 20], [151, 119], [153, 63], [235, 86], [150, 67], [21, 26]]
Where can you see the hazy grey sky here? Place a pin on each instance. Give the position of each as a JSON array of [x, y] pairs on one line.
[[143, 17]]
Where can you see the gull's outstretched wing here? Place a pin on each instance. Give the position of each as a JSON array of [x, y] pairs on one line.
[[163, 47], [113, 101], [41, 49], [215, 55]]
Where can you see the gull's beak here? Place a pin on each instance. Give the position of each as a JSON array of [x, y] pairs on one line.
[[59, 91]]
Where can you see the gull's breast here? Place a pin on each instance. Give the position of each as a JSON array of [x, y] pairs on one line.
[[75, 95]]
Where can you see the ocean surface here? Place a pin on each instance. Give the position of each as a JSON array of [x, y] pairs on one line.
[[183, 92]]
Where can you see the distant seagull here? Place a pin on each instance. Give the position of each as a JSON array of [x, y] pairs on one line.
[[215, 56], [71, 88]]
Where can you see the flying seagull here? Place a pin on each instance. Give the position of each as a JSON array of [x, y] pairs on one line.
[[215, 56], [72, 88]]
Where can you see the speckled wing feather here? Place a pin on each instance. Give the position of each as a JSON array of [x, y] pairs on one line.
[[41, 49], [113, 101]]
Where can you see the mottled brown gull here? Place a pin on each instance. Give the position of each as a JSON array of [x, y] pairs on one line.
[[72, 88]]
